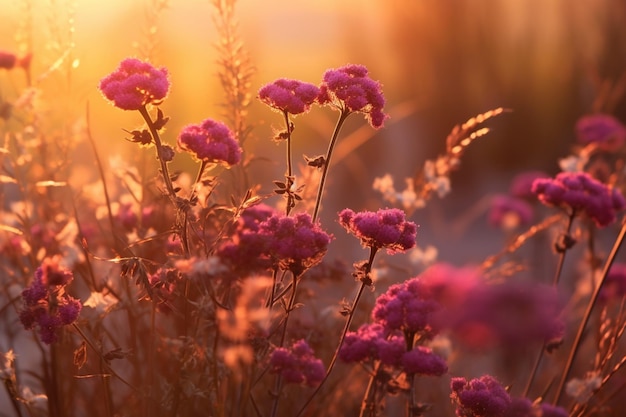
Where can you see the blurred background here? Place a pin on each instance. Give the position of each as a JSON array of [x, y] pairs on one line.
[[440, 61]]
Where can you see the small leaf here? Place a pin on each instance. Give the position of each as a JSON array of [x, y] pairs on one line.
[[80, 355], [280, 184]]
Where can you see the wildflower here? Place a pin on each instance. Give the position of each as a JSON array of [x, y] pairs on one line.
[[509, 212], [601, 129], [7, 60], [134, 84], [210, 141], [46, 305], [289, 96], [386, 228], [480, 397], [351, 90], [614, 286], [295, 243], [581, 193], [521, 185], [422, 361], [297, 364], [408, 307]]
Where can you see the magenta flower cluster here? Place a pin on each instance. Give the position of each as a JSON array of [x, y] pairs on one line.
[[297, 364], [245, 253], [408, 307], [486, 397], [46, 305], [289, 96], [508, 212], [386, 228], [348, 88], [134, 84], [601, 129], [210, 141], [294, 243], [582, 194], [402, 313], [522, 184], [352, 90]]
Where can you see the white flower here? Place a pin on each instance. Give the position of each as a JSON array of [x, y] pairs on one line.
[[581, 390]]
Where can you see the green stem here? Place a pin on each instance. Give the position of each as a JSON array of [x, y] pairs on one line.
[[587, 315], [342, 118]]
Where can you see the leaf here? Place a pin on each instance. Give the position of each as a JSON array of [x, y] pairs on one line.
[[80, 355]]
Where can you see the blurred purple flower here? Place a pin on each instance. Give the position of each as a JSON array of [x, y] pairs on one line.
[[582, 193], [297, 364], [290, 96], [350, 89], [135, 84], [509, 213], [480, 397], [7, 60], [601, 129], [614, 286], [210, 141], [386, 228], [522, 184]]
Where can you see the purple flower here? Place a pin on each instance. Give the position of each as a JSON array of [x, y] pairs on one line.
[[363, 344], [350, 89], [46, 305], [135, 84], [581, 193], [246, 252], [290, 96], [386, 228], [408, 307], [522, 184], [7, 60], [614, 286], [508, 212], [297, 364], [480, 397], [602, 129], [295, 243], [210, 141], [422, 361]]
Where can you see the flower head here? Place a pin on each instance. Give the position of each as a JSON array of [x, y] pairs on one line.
[[582, 193], [508, 212], [135, 84], [290, 96], [408, 307], [350, 89], [7, 60], [210, 141], [522, 184], [386, 228], [295, 243], [297, 364], [614, 286], [602, 129], [480, 397]]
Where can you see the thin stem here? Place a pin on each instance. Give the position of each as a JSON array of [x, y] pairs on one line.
[[159, 147], [590, 305], [346, 327], [369, 399], [289, 177], [342, 118]]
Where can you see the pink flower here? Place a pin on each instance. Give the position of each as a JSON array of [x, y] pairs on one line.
[[295, 243], [614, 286], [135, 84], [7, 60], [210, 141], [601, 129], [46, 305], [408, 307], [386, 228], [422, 361], [297, 364], [581, 193], [350, 89], [522, 184], [290, 96], [509, 212], [480, 397]]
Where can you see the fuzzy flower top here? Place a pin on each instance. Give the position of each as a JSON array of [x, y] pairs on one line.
[[297, 364], [210, 141], [582, 193], [290, 96], [294, 243], [386, 228], [350, 89], [135, 84], [602, 129]]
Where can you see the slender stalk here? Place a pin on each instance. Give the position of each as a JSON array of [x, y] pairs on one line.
[[342, 118], [346, 327], [289, 177], [159, 147], [369, 399], [587, 315]]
